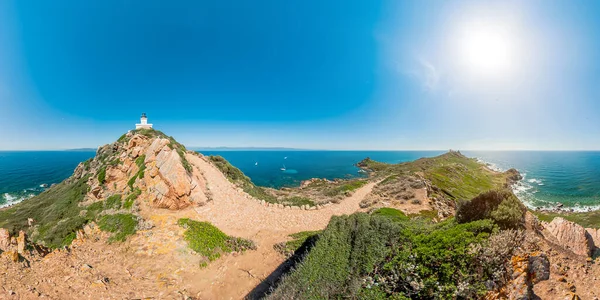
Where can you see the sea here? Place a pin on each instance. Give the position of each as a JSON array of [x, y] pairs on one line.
[[570, 178]]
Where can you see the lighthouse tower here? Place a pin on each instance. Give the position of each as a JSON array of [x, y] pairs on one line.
[[143, 123]]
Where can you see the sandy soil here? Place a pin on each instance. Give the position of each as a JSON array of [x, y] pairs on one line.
[[157, 264]]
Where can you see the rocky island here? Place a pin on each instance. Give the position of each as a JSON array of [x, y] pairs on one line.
[[148, 219]]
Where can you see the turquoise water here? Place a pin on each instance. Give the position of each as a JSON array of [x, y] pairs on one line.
[[22, 173], [264, 167], [572, 178], [568, 177]]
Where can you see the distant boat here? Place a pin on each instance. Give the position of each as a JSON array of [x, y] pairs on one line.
[[285, 157], [44, 185], [256, 163], [283, 169]]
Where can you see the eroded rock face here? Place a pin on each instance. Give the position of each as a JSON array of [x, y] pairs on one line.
[[164, 183], [21, 242], [595, 235], [571, 236], [4, 239], [520, 286], [528, 270]]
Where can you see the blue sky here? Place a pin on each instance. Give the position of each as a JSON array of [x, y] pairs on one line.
[[306, 74]]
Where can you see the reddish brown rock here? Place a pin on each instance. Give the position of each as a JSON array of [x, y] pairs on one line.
[[12, 255], [21, 242], [4, 239], [571, 236], [595, 235]]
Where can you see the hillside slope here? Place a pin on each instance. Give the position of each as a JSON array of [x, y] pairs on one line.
[[147, 219], [124, 235]]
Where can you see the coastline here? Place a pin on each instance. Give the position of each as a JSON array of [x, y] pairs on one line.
[[521, 188]]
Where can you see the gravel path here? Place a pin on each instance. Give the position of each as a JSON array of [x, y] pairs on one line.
[[237, 214]]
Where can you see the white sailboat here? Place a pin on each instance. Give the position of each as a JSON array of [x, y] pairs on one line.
[[283, 169]]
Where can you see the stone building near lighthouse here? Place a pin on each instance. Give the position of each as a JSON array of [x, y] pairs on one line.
[[143, 123]]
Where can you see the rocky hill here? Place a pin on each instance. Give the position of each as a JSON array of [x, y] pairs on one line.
[[147, 219]]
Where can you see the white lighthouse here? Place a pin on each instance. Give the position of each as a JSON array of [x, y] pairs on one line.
[[143, 123]]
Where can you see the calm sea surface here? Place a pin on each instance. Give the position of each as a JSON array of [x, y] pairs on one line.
[[572, 178]]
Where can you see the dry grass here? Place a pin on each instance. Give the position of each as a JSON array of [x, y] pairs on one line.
[[394, 189]]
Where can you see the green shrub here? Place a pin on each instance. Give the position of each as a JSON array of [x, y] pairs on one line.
[[298, 239], [140, 162], [209, 241], [121, 225], [56, 212], [186, 164], [386, 255], [298, 201], [102, 175], [86, 164], [391, 213], [347, 187], [122, 138], [113, 202], [128, 204], [94, 209], [349, 247], [502, 206]]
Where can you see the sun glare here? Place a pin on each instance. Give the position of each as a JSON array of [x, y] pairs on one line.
[[487, 50]]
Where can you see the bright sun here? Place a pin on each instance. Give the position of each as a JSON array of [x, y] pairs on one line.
[[487, 50]]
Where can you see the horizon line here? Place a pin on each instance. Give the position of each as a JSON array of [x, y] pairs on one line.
[[89, 149]]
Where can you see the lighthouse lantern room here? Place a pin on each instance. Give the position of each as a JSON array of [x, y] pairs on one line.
[[143, 123]]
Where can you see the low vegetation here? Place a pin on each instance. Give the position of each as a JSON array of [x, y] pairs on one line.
[[395, 190], [297, 201], [56, 211], [210, 242], [298, 239], [586, 219], [238, 178], [391, 213], [121, 225], [113, 202], [140, 173], [453, 175], [386, 254], [102, 175], [345, 188], [128, 204], [502, 206]]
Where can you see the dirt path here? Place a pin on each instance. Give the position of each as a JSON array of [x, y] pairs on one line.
[[156, 262], [235, 213]]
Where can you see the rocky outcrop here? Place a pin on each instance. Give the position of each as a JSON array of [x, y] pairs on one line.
[[156, 165], [571, 236], [512, 176], [305, 183], [595, 235], [21, 242], [527, 271], [4, 239]]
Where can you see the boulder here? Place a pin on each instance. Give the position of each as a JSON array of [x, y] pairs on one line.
[[538, 268], [4, 239], [571, 236], [519, 288], [21, 242], [12, 255], [527, 271], [595, 235], [512, 176]]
